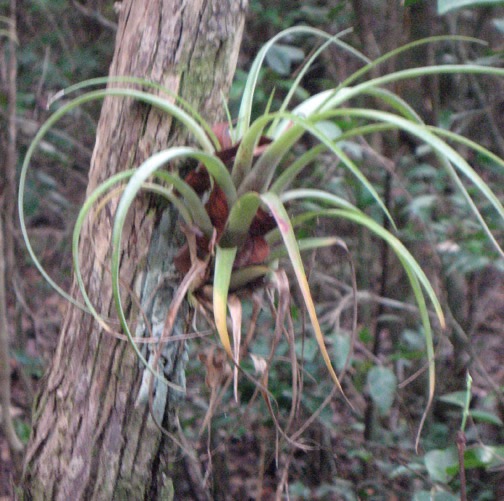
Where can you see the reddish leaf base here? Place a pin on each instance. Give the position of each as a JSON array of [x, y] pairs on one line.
[[254, 249]]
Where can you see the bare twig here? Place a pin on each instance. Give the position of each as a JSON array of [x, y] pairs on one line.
[[461, 443], [481, 97], [60, 34], [96, 16], [363, 15]]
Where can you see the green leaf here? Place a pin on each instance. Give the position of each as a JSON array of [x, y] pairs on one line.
[[302, 72], [446, 154], [445, 6], [245, 154], [148, 168], [248, 93], [416, 277], [409, 263], [247, 274], [478, 457], [307, 349], [347, 94], [289, 174], [422, 203], [499, 24], [438, 461], [435, 496], [146, 84], [304, 244], [334, 98], [224, 259], [163, 104], [285, 226], [382, 384], [457, 398], [328, 129], [90, 201], [280, 58], [485, 417], [320, 196], [341, 349], [239, 220], [259, 178], [152, 165]]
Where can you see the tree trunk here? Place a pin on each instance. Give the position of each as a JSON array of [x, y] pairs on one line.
[[91, 438]]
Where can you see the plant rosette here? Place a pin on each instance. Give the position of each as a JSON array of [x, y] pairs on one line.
[[235, 205]]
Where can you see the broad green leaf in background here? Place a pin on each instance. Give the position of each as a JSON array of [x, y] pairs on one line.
[[280, 58], [434, 496], [341, 349], [486, 417], [455, 398], [382, 384], [458, 398], [438, 461], [499, 24], [483, 456]]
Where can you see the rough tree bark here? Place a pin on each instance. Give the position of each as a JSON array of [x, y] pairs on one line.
[[89, 439]]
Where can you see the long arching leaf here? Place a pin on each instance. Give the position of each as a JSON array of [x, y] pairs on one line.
[[89, 203], [283, 222], [148, 168], [446, 152], [305, 244], [108, 80], [300, 75], [261, 175], [165, 105], [245, 111], [416, 276]]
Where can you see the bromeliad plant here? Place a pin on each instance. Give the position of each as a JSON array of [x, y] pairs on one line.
[[235, 206]]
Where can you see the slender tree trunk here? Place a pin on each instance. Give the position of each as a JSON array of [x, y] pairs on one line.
[[91, 439], [7, 201], [9, 181]]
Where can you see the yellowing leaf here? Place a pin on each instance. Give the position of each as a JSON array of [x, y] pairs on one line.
[[224, 259], [284, 224]]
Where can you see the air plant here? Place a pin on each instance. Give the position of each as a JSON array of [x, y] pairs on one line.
[[235, 205]]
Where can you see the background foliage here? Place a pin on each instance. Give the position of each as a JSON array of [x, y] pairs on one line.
[[367, 453]]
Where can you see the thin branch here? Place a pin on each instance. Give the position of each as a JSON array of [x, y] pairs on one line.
[[482, 99], [96, 16]]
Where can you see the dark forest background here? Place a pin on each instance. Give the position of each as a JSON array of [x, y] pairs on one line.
[[356, 454]]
